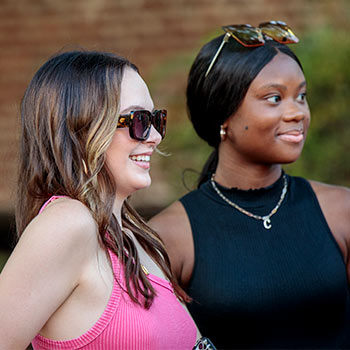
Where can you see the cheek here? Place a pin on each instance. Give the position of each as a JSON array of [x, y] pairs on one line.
[[114, 155], [238, 125], [119, 150], [307, 121], [238, 130]]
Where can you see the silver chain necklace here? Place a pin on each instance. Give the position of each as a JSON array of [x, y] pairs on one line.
[[267, 218]]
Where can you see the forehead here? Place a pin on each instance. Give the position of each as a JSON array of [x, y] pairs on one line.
[[281, 69], [134, 91]]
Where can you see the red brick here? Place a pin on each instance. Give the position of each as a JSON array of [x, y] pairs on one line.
[[149, 32]]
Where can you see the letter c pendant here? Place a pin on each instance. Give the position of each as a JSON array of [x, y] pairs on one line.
[[267, 223]]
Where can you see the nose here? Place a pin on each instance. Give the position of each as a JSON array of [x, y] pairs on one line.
[[295, 112], [154, 137]]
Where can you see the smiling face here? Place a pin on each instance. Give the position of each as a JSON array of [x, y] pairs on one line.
[[270, 126], [129, 159]]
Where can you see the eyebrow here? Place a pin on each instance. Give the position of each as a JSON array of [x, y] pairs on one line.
[[302, 84], [133, 108], [281, 87]]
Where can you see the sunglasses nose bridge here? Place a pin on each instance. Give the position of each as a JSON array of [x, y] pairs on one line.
[[153, 117]]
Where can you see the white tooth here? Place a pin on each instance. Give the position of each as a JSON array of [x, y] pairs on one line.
[[141, 158]]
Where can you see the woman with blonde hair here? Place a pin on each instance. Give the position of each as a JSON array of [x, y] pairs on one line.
[[87, 271]]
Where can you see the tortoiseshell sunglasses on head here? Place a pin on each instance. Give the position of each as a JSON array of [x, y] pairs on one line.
[[249, 36], [141, 121]]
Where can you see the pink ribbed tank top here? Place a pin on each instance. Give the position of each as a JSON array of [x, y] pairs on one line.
[[126, 325]]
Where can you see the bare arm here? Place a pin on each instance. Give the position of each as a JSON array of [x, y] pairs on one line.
[[42, 271], [335, 205], [173, 226]]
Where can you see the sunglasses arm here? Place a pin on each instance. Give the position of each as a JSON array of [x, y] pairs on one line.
[[224, 41], [123, 121]]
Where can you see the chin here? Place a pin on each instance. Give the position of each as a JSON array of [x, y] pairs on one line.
[[130, 182], [289, 159], [291, 155], [141, 183]]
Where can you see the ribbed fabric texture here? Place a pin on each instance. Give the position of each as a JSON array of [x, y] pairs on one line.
[[126, 325], [255, 288]]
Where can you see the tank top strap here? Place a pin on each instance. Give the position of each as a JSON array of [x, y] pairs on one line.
[[116, 264], [51, 199]]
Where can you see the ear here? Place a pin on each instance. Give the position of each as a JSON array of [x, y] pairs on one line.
[[222, 133], [225, 123]]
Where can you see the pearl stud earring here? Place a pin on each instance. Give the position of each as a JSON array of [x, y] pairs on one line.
[[222, 133]]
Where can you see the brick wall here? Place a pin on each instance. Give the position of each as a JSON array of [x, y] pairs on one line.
[[146, 31]]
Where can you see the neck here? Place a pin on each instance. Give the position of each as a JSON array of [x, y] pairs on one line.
[[117, 208], [233, 173]]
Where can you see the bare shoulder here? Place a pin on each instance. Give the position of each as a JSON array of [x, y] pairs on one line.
[[64, 235], [67, 212], [45, 267], [64, 220], [63, 232], [170, 219], [335, 205], [173, 226], [333, 198]]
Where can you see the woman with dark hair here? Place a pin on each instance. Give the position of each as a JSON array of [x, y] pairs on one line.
[[264, 255], [87, 272]]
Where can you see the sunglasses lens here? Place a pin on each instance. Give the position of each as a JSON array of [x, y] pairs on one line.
[[141, 125], [159, 121], [245, 34], [279, 31]]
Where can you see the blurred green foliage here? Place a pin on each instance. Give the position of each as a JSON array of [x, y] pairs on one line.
[[325, 56], [183, 148]]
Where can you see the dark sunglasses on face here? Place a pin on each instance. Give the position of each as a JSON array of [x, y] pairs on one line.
[[141, 121], [249, 36]]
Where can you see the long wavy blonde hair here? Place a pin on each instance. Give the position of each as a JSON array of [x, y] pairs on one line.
[[68, 118]]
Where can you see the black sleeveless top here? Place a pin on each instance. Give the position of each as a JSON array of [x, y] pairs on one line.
[[285, 287]]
